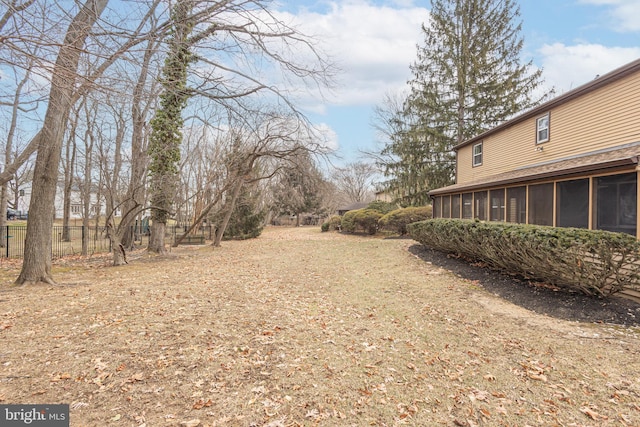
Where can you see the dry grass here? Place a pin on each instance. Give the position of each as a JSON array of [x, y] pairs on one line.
[[300, 327]]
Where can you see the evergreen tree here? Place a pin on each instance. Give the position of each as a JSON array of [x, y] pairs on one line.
[[299, 189], [247, 219], [468, 78]]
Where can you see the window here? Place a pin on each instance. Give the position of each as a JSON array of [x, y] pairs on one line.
[[76, 209], [446, 207], [497, 205], [517, 205], [480, 199], [455, 206], [572, 204], [437, 207], [477, 154], [542, 127], [541, 204], [616, 203], [467, 206]]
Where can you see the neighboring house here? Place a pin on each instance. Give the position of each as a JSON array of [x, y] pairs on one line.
[[384, 196], [352, 207], [571, 162], [77, 206]]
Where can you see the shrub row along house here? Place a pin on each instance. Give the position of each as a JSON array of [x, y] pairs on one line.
[[571, 162]]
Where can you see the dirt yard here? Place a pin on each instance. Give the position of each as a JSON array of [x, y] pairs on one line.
[[302, 328]]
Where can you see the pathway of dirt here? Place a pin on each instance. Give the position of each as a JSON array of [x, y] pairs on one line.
[[305, 328]]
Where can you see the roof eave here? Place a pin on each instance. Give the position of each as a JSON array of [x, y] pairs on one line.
[[584, 89], [617, 164]]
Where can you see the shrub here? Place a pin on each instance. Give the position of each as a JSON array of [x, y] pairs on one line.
[[365, 220], [398, 219], [347, 223], [332, 224], [382, 207], [591, 261]]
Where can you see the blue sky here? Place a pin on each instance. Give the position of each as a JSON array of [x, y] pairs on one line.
[[374, 42]]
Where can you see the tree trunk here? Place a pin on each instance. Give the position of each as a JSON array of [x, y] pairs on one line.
[[69, 172], [230, 205], [156, 238], [36, 265], [135, 192]]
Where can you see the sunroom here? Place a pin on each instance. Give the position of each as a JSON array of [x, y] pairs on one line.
[[597, 190]]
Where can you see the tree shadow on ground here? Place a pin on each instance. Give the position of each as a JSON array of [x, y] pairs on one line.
[[535, 296]]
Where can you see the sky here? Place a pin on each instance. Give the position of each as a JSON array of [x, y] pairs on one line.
[[374, 42]]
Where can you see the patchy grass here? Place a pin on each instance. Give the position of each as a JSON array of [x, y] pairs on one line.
[[300, 327]]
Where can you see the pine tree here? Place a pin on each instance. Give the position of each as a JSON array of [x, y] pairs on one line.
[[247, 219], [468, 78]]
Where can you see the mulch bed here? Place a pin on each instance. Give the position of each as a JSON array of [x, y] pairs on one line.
[[535, 296]]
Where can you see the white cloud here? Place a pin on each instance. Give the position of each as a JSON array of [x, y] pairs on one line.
[[624, 13], [372, 45], [327, 136], [567, 67]]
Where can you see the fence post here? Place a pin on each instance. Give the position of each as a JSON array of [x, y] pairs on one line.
[[7, 238]]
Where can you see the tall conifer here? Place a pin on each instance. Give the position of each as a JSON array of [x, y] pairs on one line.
[[468, 77]]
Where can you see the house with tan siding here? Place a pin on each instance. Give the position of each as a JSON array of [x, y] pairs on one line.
[[571, 162]]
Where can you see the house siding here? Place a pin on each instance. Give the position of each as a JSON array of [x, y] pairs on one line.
[[606, 117]]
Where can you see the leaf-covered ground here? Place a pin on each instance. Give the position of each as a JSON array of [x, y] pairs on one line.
[[305, 328]]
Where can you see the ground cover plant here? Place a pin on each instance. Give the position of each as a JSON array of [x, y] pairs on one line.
[[303, 328]]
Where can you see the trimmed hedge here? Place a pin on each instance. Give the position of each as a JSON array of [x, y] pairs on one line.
[[398, 219], [365, 220], [332, 224], [594, 262]]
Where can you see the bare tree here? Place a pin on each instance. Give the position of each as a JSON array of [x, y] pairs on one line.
[[355, 181], [247, 33], [66, 87], [9, 150], [37, 252]]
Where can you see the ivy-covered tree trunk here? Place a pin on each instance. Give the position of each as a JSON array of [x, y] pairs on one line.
[[166, 135]]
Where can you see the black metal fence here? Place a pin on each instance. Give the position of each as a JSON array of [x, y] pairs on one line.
[[68, 240]]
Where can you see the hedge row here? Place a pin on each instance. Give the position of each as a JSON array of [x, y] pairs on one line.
[[398, 219], [376, 217], [594, 262]]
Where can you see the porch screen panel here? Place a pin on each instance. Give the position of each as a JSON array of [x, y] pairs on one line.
[[480, 211], [496, 198], [572, 204], [541, 204], [455, 206], [437, 207], [517, 205], [616, 203], [467, 206], [446, 207]]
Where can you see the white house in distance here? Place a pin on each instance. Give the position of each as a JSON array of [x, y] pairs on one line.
[[77, 209]]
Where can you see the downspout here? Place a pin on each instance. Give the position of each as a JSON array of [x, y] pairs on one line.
[[636, 161]]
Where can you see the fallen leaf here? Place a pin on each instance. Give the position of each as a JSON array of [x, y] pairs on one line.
[[591, 413], [201, 403], [191, 423], [538, 377]]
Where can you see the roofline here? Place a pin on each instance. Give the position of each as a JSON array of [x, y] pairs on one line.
[[580, 170], [582, 90]]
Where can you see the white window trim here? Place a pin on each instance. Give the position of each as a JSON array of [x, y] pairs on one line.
[[473, 154], [538, 129]]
